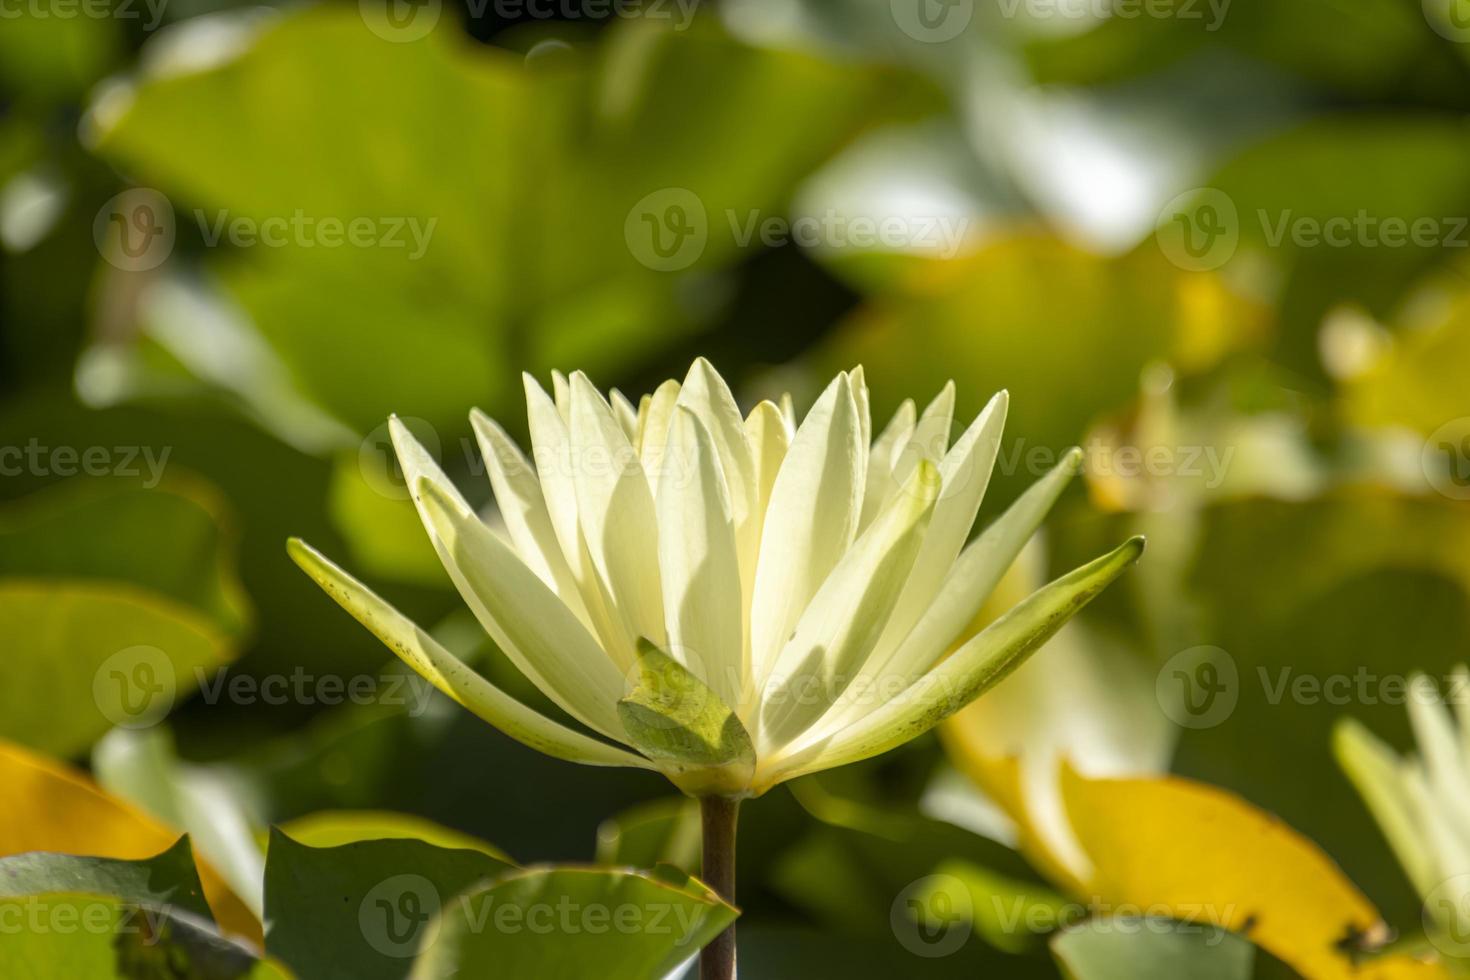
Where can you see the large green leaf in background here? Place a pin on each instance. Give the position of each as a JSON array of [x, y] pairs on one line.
[[571, 923], [996, 320], [115, 601], [361, 910], [529, 176], [1121, 948], [105, 918], [1296, 180]]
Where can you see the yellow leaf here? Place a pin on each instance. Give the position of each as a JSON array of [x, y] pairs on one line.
[[332, 828], [51, 807], [1205, 854]]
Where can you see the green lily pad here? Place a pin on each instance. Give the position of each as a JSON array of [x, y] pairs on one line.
[[1122, 948], [572, 923], [362, 910]]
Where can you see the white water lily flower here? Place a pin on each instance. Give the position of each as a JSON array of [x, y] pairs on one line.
[[733, 600], [1422, 802]]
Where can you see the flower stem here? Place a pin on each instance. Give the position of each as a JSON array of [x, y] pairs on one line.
[[718, 816]]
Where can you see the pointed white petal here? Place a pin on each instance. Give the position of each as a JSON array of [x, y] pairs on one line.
[[847, 615], [974, 576], [626, 415], [930, 439], [562, 393], [616, 515], [451, 675], [860, 396], [965, 473], [523, 509], [551, 446], [706, 395], [788, 412], [529, 623], [891, 441], [698, 562], [1434, 731], [809, 523], [655, 432], [1379, 776], [977, 666], [770, 439]]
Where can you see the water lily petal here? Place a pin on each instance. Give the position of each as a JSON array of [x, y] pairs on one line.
[[705, 393], [626, 415], [616, 515], [965, 473], [770, 439], [930, 438], [698, 562], [848, 614], [523, 508], [451, 675], [810, 521], [530, 624], [551, 445], [1375, 770], [974, 576], [654, 432], [884, 453], [973, 669]]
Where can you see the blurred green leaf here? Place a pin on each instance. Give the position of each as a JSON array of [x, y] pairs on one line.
[[1121, 948], [118, 601], [106, 918], [521, 186], [991, 321], [570, 923], [657, 832], [361, 909]]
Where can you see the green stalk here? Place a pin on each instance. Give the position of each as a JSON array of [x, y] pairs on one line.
[[718, 816]]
